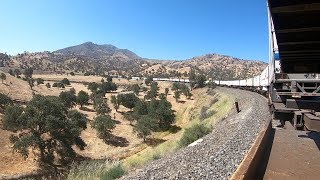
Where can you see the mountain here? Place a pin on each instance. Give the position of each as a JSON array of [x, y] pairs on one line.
[[107, 59], [96, 51]]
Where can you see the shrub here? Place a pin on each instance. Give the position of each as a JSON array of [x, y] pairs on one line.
[[3, 76], [72, 90], [48, 85], [11, 72], [60, 85], [65, 81], [148, 80], [204, 113], [193, 133], [113, 173], [40, 81], [72, 74], [4, 100], [211, 85]]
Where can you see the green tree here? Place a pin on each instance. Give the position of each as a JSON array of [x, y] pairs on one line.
[[116, 102], [65, 81], [161, 110], [108, 86], [177, 95], [72, 90], [186, 91], [40, 81], [192, 77], [30, 82], [175, 86], [28, 73], [166, 91], [93, 86], [68, 99], [82, 98], [17, 72], [135, 88], [48, 85], [200, 80], [3, 77], [148, 80], [128, 100], [11, 72], [109, 79], [4, 100], [145, 125], [103, 124], [153, 93], [46, 125], [101, 106]]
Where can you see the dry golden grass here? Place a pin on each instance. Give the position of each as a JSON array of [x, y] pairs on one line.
[[16, 88], [81, 78], [135, 152], [12, 163]]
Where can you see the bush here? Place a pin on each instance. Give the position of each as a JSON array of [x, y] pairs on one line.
[[113, 173], [60, 85], [193, 133], [4, 100], [65, 81], [211, 85], [204, 113], [72, 74], [40, 81], [48, 85]]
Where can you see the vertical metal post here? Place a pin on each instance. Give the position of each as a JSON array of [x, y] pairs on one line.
[[237, 106]]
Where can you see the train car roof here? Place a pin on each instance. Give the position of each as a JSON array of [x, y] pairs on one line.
[[297, 28]]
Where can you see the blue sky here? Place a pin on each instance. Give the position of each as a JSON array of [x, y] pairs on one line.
[[160, 29]]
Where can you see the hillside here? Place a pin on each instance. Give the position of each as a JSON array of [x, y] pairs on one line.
[[96, 51], [108, 59]]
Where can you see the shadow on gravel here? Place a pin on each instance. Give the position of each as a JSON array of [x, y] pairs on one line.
[[315, 136]]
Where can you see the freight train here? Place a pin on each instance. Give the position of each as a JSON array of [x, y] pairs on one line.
[[292, 77]]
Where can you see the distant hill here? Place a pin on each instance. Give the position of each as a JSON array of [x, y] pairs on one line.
[[108, 59], [96, 51]]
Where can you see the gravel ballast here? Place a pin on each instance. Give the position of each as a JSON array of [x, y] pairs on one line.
[[219, 154]]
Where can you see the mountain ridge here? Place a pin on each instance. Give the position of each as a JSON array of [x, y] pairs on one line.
[[108, 59]]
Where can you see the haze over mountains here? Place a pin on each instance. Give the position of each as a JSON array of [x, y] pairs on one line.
[[103, 59]]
